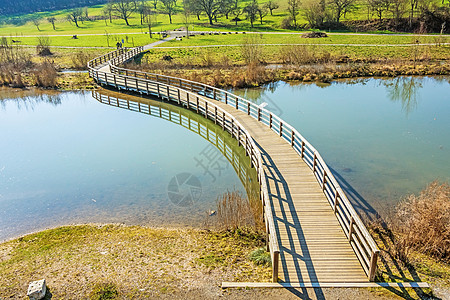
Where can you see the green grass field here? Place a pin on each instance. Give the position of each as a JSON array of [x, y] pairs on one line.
[[161, 21], [233, 39], [131, 40]]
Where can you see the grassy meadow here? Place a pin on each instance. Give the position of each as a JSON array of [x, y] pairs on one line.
[[160, 21]]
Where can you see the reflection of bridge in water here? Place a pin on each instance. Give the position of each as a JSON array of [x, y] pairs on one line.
[[221, 140], [315, 235]]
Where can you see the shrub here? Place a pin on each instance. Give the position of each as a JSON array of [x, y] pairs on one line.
[[43, 46], [104, 291], [80, 60], [46, 75], [260, 257], [286, 23], [422, 223]]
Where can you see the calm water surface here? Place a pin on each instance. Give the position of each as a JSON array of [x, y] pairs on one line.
[[68, 159], [383, 138]]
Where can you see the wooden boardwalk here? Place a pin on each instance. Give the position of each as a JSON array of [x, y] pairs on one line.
[[313, 246], [314, 233]]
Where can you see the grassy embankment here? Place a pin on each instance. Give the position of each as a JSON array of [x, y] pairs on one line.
[[160, 20], [98, 33], [138, 262], [249, 62]]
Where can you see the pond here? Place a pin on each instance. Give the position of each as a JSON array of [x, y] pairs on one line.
[[93, 157], [75, 158], [383, 138]]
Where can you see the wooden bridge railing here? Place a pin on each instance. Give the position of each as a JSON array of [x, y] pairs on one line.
[[215, 113], [360, 239]]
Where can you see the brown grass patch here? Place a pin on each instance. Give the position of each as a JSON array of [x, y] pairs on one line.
[[422, 223]]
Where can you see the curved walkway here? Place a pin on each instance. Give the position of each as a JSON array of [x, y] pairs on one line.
[[314, 234]]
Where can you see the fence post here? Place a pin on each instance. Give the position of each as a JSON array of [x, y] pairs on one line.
[[324, 180], [350, 230], [335, 199], [215, 114], [276, 256], [373, 265], [223, 121], [314, 163], [292, 138], [281, 128]]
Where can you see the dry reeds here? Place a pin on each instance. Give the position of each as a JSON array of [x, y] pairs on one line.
[[298, 55], [234, 211], [46, 75], [422, 223], [80, 60]]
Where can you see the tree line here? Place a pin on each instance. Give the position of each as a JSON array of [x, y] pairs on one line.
[[318, 13], [11, 7]]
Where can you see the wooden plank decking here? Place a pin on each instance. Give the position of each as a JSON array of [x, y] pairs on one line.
[[313, 246]]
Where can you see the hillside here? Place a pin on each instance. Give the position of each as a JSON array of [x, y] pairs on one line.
[[11, 7]]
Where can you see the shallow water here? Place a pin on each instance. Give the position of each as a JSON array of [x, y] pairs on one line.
[[384, 138], [68, 158]]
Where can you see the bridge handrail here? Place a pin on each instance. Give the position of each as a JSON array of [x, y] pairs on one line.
[[236, 129], [360, 239]]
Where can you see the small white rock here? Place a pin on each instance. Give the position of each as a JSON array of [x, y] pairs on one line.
[[37, 290]]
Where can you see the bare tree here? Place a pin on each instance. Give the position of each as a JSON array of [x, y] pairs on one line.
[[236, 12], [210, 7], [293, 9], [36, 23], [52, 20], [122, 9], [315, 13], [143, 10], [398, 9], [271, 6], [379, 7], [262, 12], [251, 11], [107, 12], [186, 15], [195, 8], [149, 21], [169, 8], [75, 15], [226, 7], [86, 14], [340, 7]]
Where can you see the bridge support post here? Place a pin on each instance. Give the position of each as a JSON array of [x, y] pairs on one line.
[[373, 265], [276, 256]]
